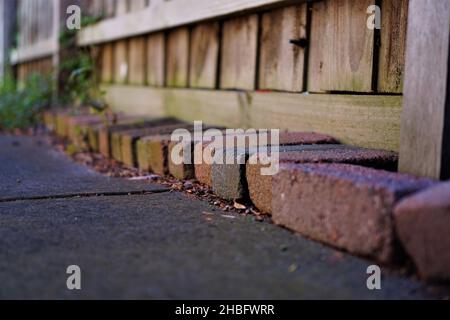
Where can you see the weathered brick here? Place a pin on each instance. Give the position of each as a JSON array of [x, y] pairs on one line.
[[116, 150], [92, 137], [82, 128], [203, 170], [229, 181], [77, 128], [423, 225], [61, 124], [105, 133], [49, 119], [183, 171], [74, 121], [186, 171], [141, 154], [152, 153], [260, 187], [346, 206], [296, 138], [62, 120], [130, 138]]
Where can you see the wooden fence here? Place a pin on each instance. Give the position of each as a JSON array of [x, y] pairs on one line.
[[7, 26], [249, 63], [288, 64], [37, 37]]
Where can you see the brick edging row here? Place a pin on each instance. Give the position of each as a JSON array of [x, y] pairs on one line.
[[347, 197]]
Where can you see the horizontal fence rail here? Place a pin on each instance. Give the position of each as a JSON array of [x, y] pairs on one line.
[[164, 14], [38, 31]]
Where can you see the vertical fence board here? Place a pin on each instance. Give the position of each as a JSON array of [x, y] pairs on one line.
[[48, 19], [204, 55], [107, 63], [137, 60], [7, 32], [121, 7], [239, 49], [282, 63], [393, 42], [109, 7], [121, 61], [155, 59], [177, 64], [137, 5], [341, 47], [3, 42], [47, 66], [95, 8]]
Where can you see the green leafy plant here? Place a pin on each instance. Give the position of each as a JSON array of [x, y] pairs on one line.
[[78, 69], [20, 106]]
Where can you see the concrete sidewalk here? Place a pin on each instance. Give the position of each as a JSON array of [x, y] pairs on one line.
[[137, 240]]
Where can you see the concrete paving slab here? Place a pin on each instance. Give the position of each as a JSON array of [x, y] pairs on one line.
[[169, 246], [30, 167]]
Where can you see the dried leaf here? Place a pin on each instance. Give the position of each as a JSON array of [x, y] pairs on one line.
[[239, 206]]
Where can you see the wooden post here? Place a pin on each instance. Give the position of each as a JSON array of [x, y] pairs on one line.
[[7, 25], [425, 125]]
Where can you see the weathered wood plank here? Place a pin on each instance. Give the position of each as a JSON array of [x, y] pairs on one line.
[[167, 14], [135, 100], [48, 19], [177, 64], [341, 47], [425, 135], [204, 55], [95, 8], [109, 7], [7, 27], [136, 5], [137, 60], [391, 68], [122, 7], [155, 59], [363, 120], [282, 63], [121, 67], [20, 74], [38, 50], [107, 61], [47, 66], [239, 49], [194, 104]]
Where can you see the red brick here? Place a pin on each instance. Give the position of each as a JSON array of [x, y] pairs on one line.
[[187, 171], [130, 138], [346, 206], [260, 187], [105, 133], [183, 171], [49, 120], [203, 171], [152, 154], [61, 124], [62, 120], [93, 137], [291, 138], [77, 128], [423, 225]]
